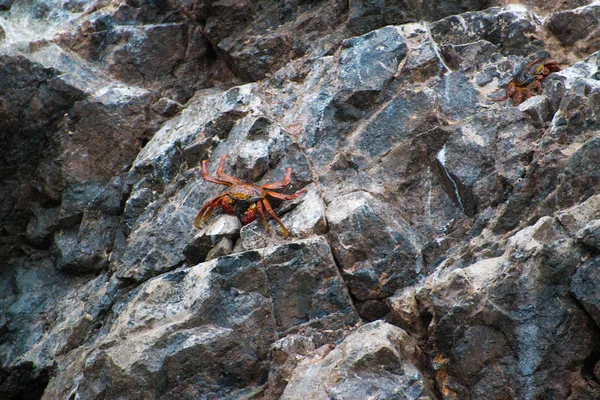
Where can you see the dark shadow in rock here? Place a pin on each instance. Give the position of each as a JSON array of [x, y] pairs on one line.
[[23, 382]]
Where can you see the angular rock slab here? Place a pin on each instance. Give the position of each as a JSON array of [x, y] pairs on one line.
[[571, 28], [585, 286], [367, 62], [505, 326], [87, 248], [305, 285], [377, 361], [377, 250], [582, 222], [185, 332], [159, 243], [510, 28], [206, 331], [287, 353]]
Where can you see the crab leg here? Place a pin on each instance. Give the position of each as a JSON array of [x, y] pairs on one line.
[[224, 177], [279, 185], [533, 62], [282, 196], [209, 178], [207, 209], [259, 207], [286, 233]]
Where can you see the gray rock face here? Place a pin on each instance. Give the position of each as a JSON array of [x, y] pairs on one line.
[[367, 62], [584, 286], [384, 366], [446, 245], [516, 303], [228, 313], [377, 264], [568, 26]]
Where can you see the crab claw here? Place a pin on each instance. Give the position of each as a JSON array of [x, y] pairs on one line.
[[250, 214]]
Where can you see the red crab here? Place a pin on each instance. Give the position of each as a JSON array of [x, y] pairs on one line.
[[246, 192], [529, 79]]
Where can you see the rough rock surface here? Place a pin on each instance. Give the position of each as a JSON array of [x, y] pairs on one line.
[[447, 245], [384, 366]]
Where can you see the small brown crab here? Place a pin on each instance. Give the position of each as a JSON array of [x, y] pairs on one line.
[[245, 192], [528, 80]]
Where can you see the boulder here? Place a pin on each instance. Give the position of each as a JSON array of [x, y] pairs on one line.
[[377, 250], [377, 360]]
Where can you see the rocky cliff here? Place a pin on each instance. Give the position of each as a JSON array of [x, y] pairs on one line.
[[447, 247]]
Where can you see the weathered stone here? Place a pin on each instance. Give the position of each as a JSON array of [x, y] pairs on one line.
[[5, 4], [286, 353], [365, 16], [226, 311], [467, 222], [43, 224], [149, 44], [589, 235], [509, 30], [570, 27], [575, 218], [306, 286], [197, 248], [585, 287], [225, 225], [582, 222], [372, 310], [122, 114], [188, 337], [538, 108], [152, 249], [460, 194], [367, 62], [140, 198], [377, 250], [254, 157], [378, 360], [222, 248], [401, 11], [269, 25], [87, 248], [406, 313], [534, 268], [253, 59], [77, 312], [383, 130], [456, 95], [422, 61], [474, 58], [22, 313], [146, 53], [33, 102], [23, 376], [580, 179], [167, 107]]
